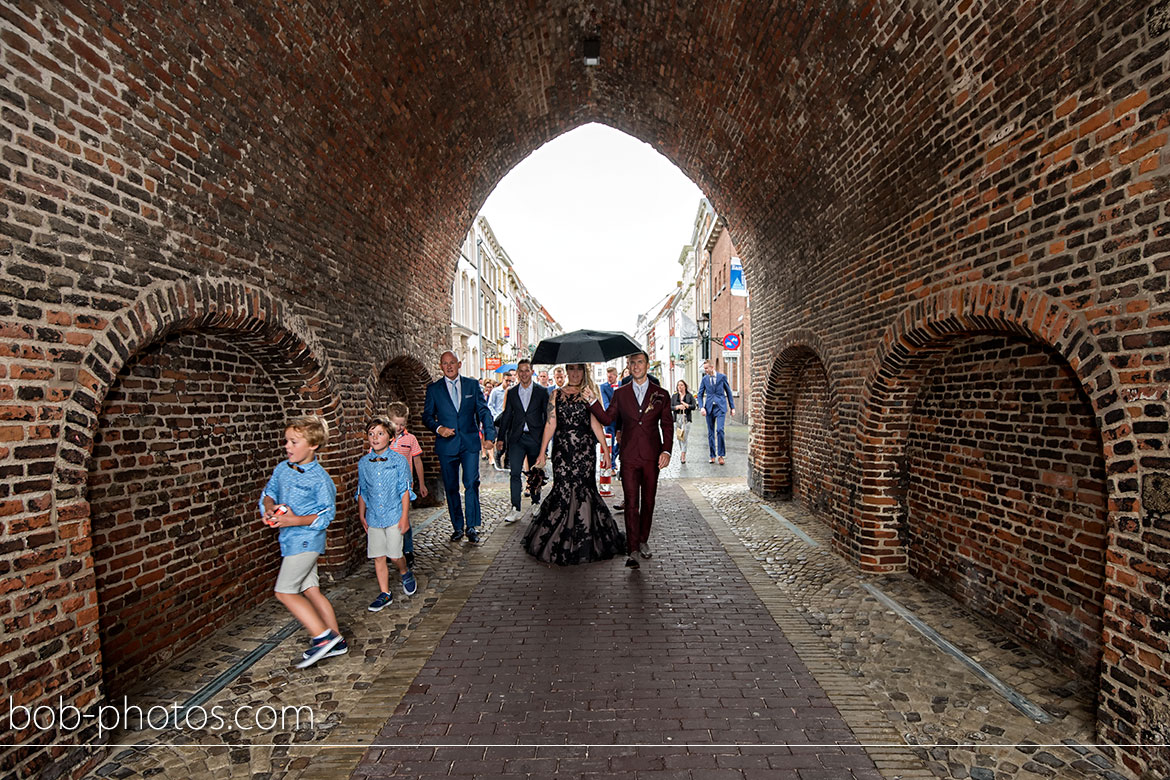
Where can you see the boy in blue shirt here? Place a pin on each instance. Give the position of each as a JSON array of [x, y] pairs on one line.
[[300, 499], [384, 495]]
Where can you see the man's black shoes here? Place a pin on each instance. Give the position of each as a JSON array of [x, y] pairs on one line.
[[472, 536], [632, 563], [457, 536]]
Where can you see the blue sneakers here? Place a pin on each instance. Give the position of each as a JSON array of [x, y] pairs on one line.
[[318, 648], [341, 648], [380, 603], [409, 586]]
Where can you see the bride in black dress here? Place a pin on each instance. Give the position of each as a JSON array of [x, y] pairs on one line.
[[574, 525]]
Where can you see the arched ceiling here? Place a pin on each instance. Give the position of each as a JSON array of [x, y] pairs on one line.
[[811, 126], [411, 112]]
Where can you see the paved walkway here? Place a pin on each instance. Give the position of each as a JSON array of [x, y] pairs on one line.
[[675, 657], [597, 670]]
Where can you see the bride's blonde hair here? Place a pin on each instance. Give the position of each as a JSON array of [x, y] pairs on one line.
[[586, 379]]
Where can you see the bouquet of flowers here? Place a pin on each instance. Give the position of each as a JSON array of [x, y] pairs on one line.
[[536, 479]]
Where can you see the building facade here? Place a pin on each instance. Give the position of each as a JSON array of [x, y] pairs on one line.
[[495, 320], [466, 314], [709, 303], [729, 315]]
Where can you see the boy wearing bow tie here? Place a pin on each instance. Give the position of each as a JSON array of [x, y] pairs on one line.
[[384, 497], [300, 499], [405, 443]]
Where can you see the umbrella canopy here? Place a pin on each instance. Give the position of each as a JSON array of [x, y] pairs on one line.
[[585, 346], [505, 368]]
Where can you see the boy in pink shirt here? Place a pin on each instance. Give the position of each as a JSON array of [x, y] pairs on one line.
[[407, 445]]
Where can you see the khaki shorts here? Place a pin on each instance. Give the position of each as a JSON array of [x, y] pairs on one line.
[[298, 573], [384, 542]]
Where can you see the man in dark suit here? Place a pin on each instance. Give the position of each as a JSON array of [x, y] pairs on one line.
[[522, 425], [453, 410], [715, 403], [643, 410]]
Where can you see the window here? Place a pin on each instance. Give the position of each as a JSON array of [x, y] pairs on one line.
[[731, 368], [463, 299]]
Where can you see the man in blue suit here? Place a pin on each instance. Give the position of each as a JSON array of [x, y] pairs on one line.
[[453, 410], [715, 403], [607, 389]]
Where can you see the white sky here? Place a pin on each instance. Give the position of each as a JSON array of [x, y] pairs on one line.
[[594, 222]]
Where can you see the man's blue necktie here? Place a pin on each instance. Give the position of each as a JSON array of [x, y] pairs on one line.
[[452, 387]]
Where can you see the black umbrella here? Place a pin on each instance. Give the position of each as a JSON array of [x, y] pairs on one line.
[[585, 346]]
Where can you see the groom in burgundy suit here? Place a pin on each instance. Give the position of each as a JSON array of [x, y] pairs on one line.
[[647, 437]]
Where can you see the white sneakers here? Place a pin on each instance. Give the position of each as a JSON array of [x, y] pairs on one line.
[[644, 549], [512, 516]]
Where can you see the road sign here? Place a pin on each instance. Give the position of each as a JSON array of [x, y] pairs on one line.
[[737, 287], [731, 341]]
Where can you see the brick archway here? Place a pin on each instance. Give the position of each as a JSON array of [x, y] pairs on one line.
[[209, 320], [859, 159], [770, 467], [202, 303], [921, 333], [405, 378]]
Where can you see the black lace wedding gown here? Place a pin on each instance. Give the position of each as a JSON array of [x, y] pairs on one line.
[[573, 524]]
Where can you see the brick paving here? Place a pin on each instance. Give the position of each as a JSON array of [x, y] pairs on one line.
[[673, 658], [889, 686], [335, 688], [961, 726]]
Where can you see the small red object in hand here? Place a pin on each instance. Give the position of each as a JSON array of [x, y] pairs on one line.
[[281, 509]]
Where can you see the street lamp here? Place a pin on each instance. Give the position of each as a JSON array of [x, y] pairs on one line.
[[704, 324]]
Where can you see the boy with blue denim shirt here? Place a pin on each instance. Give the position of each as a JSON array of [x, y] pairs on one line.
[[405, 443], [384, 494], [300, 499]]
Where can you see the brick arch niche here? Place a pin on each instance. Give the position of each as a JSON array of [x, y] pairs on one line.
[[793, 454], [1003, 492], [405, 378], [185, 436], [983, 450]]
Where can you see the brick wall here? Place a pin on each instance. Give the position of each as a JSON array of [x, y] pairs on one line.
[[187, 439], [1005, 498], [812, 440], [1024, 194]]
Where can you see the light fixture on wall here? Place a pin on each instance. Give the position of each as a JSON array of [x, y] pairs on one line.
[[591, 47], [704, 323]]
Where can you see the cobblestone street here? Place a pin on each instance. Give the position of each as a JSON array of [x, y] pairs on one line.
[[738, 633]]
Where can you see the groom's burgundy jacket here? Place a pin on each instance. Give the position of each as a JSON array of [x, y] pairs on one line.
[[647, 430]]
